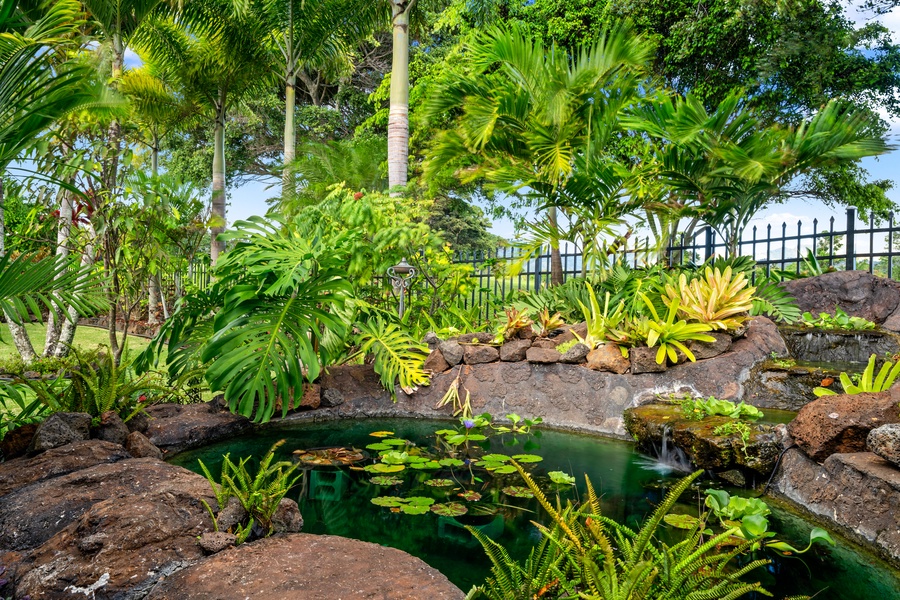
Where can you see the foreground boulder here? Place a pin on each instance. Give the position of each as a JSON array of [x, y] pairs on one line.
[[885, 442], [57, 462], [840, 424], [307, 566], [857, 494]]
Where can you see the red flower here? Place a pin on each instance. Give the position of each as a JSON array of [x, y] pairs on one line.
[[142, 398], [358, 195]]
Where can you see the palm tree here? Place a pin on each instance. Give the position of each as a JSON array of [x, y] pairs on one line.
[[398, 115], [38, 86], [213, 56], [526, 113], [306, 34], [724, 166]]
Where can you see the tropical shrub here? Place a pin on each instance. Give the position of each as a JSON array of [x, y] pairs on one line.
[[868, 381], [720, 299], [584, 554], [670, 334]]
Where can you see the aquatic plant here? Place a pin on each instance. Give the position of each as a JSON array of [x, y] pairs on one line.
[[868, 381], [839, 320], [697, 408]]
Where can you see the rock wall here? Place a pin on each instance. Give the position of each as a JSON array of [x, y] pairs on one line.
[[567, 396], [857, 493], [858, 293]]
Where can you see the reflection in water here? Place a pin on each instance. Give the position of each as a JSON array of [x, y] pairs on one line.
[[338, 502]]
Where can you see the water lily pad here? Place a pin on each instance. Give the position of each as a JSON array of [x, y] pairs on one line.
[[385, 480], [561, 478], [411, 509], [503, 470], [451, 462], [501, 458], [440, 482], [379, 446], [450, 509], [518, 491], [412, 459], [388, 501], [446, 432], [383, 468], [396, 442], [528, 458], [395, 458], [381, 434], [420, 500], [470, 496], [431, 464], [681, 521]]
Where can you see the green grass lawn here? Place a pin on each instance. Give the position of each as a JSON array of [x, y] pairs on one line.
[[85, 337]]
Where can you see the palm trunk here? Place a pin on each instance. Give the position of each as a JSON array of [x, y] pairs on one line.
[[556, 266], [398, 117], [153, 284], [67, 335], [290, 137], [63, 233], [18, 332], [218, 185]]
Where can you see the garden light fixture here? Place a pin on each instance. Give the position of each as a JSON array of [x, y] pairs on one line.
[[401, 276]]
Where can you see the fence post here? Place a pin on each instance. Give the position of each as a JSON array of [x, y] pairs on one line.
[[851, 239], [708, 250], [537, 269]]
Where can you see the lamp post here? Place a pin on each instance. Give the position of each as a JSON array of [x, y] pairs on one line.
[[401, 276]]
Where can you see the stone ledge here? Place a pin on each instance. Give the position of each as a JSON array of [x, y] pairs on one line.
[[857, 494]]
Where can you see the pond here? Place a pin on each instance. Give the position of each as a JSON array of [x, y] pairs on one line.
[[338, 501]]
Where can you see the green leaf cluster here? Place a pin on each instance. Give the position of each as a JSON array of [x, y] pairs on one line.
[[839, 320], [868, 382]]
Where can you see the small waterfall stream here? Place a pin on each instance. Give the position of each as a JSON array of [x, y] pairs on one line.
[[669, 457]]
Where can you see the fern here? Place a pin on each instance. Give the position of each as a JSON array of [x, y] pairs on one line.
[[773, 301], [398, 357]]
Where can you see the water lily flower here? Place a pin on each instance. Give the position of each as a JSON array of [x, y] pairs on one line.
[[469, 423]]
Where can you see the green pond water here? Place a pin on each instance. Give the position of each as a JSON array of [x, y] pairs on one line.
[[338, 502]]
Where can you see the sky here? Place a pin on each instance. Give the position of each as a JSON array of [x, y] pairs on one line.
[[250, 199]]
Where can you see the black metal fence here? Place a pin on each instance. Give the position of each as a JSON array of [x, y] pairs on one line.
[[851, 244]]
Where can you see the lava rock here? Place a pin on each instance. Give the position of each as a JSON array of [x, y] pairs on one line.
[[431, 340], [331, 398], [477, 355], [60, 429], [840, 424], [111, 428], [191, 426], [435, 362], [216, 541], [514, 350], [734, 477], [575, 355], [232, 515], [308, 566], [544, 343], [16, 442], [452, 352], [139, 422], [287, 517], [543, 356], [526, 333], [643, 360], [704, 350], [312, 396], [56, 462], [138, 446], [858, 293], [607, 357], [481, 337], [885, 442]]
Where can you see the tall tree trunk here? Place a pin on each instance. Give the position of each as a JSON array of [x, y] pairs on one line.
[[218, 184], [18, 332], [63, 234], [398, 117], [556, 266], [67, 335], [153, 284], [290, 136]]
